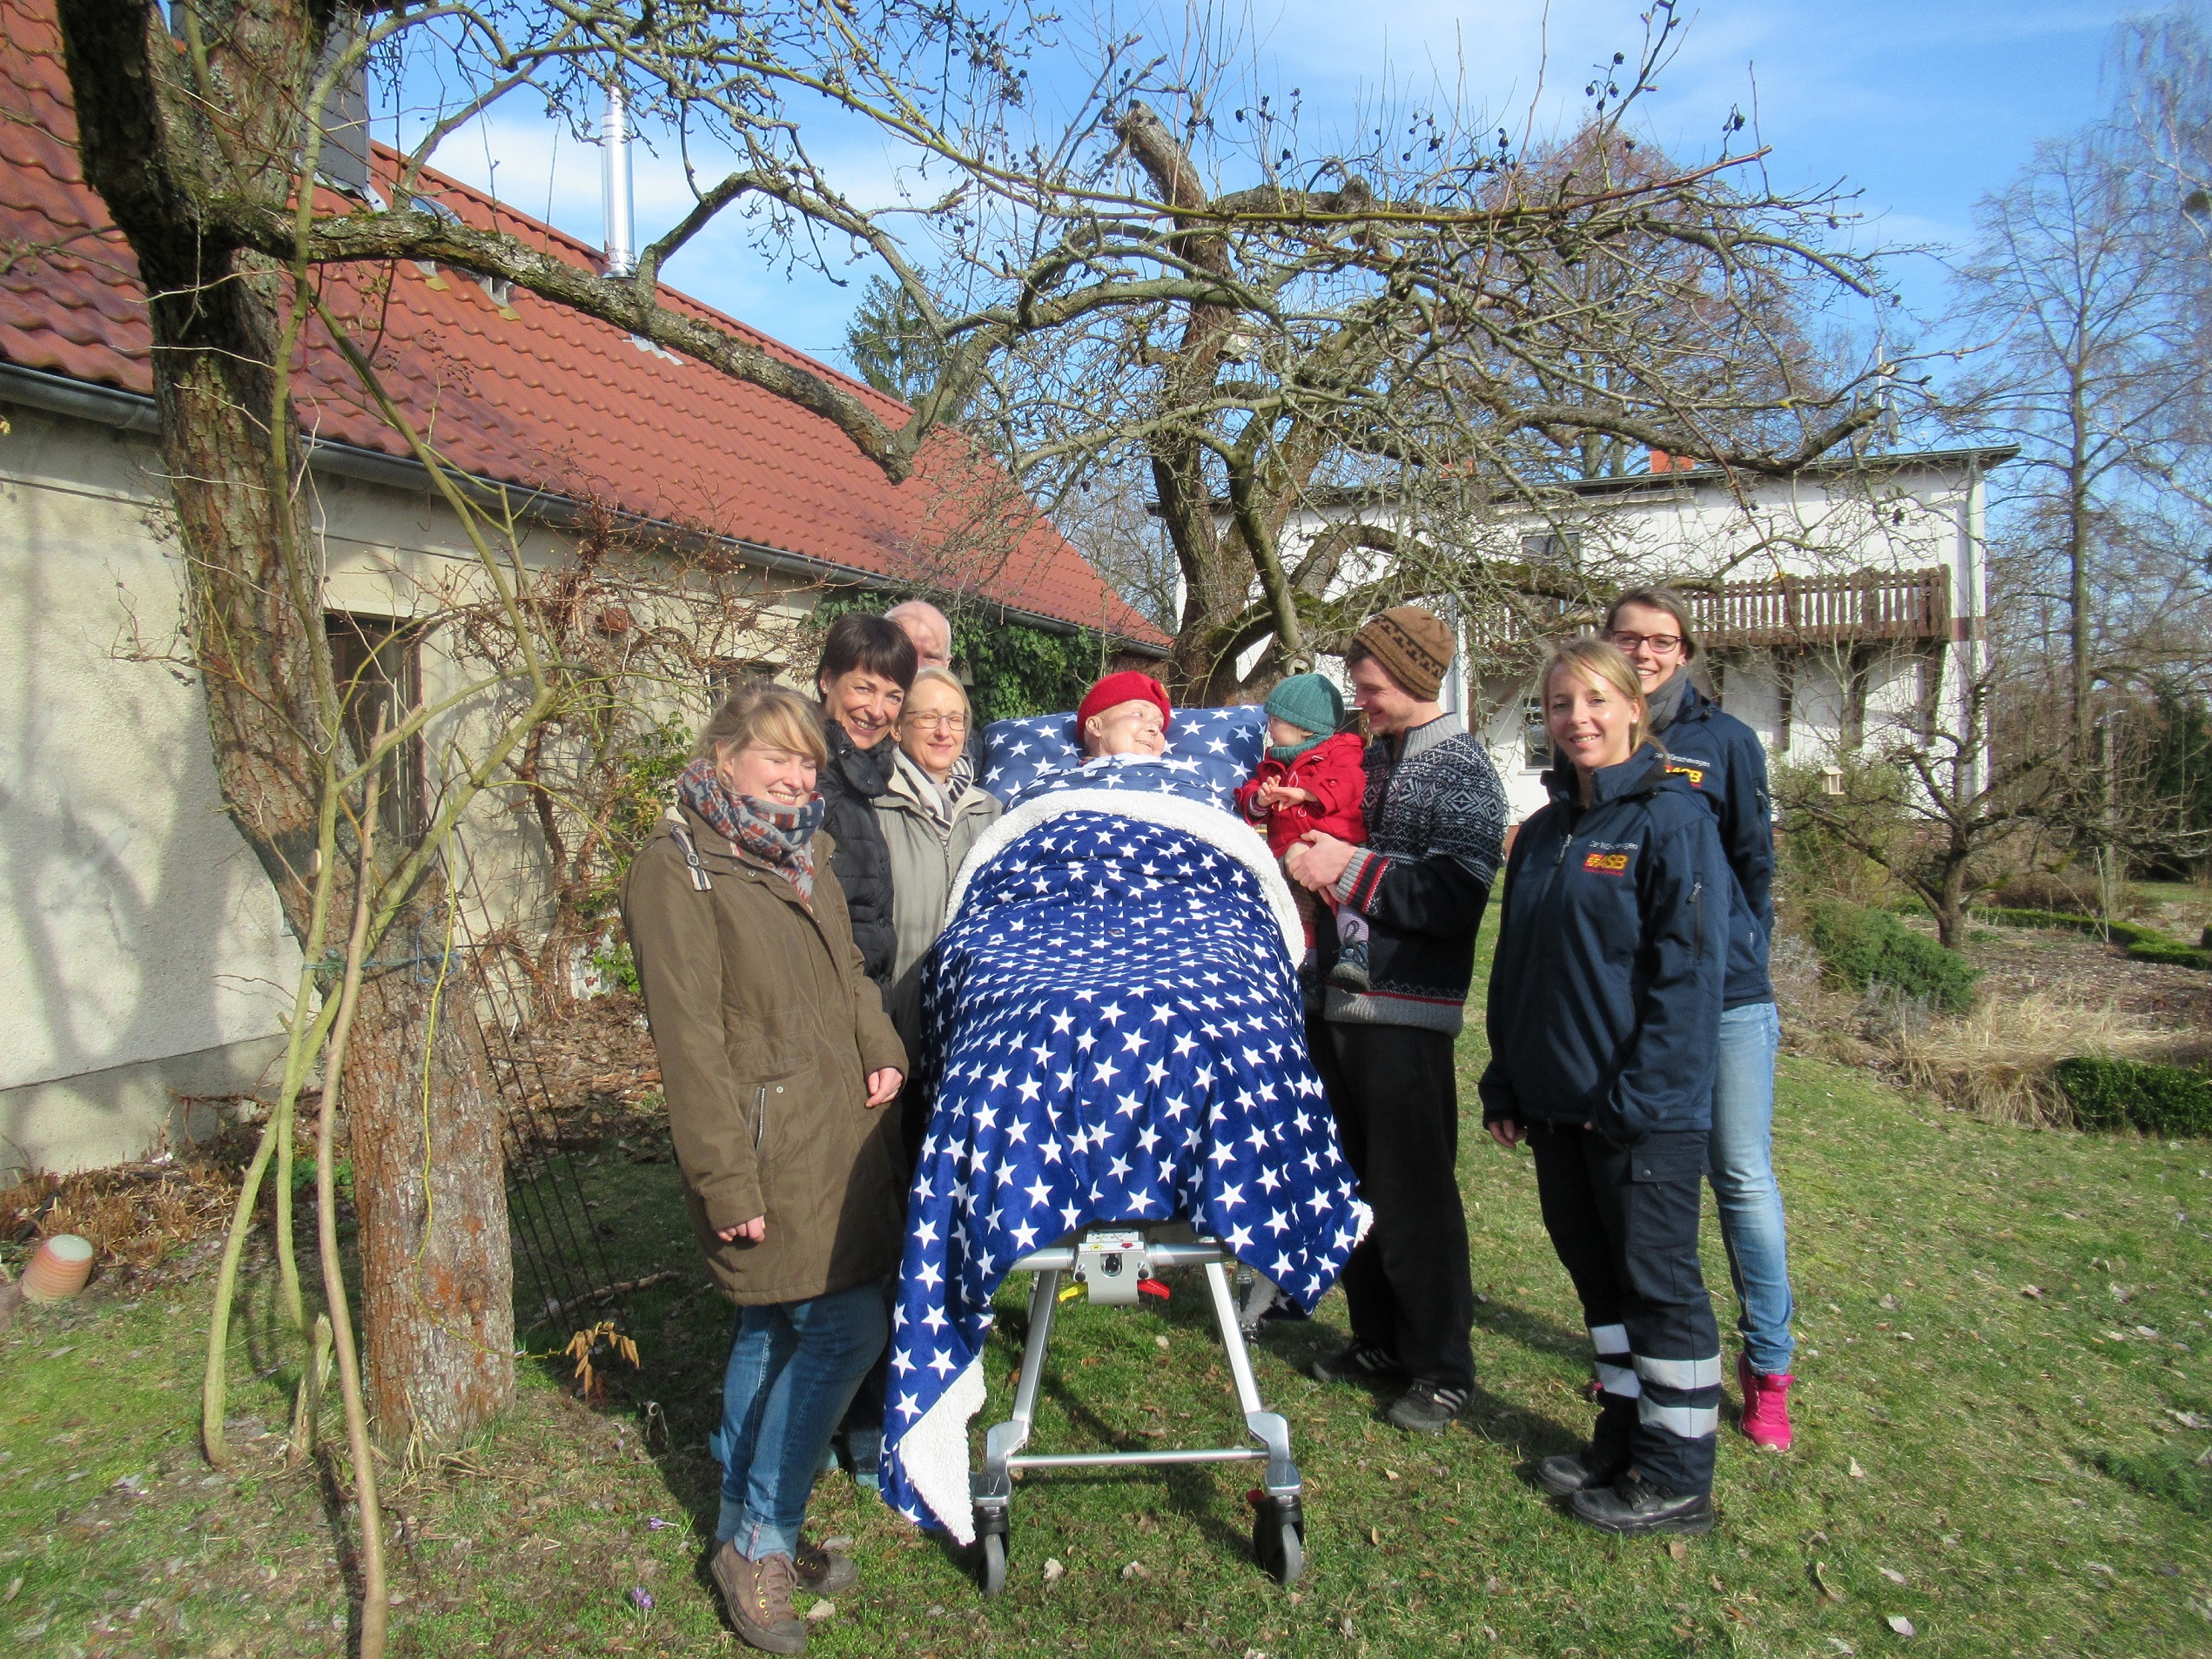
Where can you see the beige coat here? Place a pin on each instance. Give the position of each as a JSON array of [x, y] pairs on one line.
[[924, 861], [767, 1027]]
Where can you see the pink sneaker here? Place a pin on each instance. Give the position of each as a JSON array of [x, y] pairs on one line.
[[1766, 1406]]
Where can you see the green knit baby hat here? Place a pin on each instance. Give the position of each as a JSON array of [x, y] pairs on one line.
[[1309, 702]]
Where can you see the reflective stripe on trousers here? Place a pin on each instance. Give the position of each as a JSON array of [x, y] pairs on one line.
[[1680, 1397], [1610, 1342]]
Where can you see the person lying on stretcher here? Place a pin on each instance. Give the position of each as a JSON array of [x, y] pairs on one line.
[[1123, 715]]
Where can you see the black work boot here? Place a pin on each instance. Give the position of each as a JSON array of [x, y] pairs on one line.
[[1601, 1462], [1634, 1505], [1572, 1472]]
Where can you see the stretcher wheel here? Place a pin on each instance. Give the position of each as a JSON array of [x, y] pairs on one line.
[[1278, 1544], [991, 1564]]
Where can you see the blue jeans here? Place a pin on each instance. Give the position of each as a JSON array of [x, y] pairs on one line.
[[793, 1367], [1739, 1160]]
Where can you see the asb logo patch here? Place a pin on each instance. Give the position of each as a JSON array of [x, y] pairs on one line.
[[1694, 774], [1606, 863]]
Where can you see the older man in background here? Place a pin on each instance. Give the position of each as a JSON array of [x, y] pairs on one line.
[[928, 628]]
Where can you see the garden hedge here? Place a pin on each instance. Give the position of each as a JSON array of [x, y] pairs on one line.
[[2128, 1094]]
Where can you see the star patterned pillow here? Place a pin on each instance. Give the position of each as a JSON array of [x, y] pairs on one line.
[[1217, 748]]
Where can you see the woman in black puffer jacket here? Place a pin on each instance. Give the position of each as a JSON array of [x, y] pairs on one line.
[[867, 665]]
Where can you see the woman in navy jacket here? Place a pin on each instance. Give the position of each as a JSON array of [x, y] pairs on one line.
[[1605, 1018]]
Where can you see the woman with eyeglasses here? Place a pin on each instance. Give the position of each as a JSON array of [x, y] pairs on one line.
[[931, 812], [1724, 761]]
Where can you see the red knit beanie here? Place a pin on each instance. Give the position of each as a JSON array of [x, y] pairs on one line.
[[1129, 686]]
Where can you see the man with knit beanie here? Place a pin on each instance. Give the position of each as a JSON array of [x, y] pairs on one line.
[[1435, 816]]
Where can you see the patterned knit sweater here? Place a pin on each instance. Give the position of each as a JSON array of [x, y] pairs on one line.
[[1436, 819]]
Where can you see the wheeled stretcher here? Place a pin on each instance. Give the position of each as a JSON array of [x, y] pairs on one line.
[[1110, 1263]]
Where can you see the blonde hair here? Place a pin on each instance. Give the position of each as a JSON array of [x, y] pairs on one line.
[[1602, 663], [944, 677], [760, 712]]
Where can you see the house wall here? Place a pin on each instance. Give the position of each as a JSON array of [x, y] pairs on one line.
[[1912, 518], [142, 952], [143, 958]]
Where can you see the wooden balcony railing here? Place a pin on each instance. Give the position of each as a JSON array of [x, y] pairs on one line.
[[1785, 611]]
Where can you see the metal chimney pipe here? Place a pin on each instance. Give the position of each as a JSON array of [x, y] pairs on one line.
[[615, 184]]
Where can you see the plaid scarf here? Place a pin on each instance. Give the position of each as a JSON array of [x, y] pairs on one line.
[[778, 839]]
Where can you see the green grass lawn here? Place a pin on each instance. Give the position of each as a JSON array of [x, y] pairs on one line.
[[2011, 1472]]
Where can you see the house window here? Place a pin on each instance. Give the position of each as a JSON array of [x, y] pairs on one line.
[[377, 663], [1552, 547], [1535, 736]]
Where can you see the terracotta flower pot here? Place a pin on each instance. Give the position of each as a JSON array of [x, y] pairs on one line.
[[59, 1269]]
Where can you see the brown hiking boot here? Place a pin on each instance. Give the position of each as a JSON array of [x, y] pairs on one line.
[[823, 1571], [758, 1596]]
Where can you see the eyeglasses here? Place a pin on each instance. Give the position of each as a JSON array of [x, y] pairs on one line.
[[938, 723], [1659, 642]]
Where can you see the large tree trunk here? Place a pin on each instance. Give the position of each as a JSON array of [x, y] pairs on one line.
[[437, 1269]]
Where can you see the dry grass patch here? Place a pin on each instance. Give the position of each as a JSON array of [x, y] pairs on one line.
[[1997, 1061]]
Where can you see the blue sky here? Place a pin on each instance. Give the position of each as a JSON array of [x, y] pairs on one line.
[[1922, 105]]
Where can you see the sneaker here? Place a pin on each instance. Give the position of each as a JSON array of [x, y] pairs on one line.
[[1572, 1472], [823, 1571], [1427, 1408], [757, 1594], [1766, 1406], [1358, 1363], [1282, 1310], [1351, 966], [1632, 1505]]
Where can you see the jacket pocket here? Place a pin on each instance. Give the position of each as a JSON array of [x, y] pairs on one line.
[[773, 1101]]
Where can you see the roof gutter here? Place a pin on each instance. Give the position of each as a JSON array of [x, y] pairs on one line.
[[109, 405]]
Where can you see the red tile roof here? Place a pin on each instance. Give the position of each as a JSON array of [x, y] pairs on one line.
[[533, 395]]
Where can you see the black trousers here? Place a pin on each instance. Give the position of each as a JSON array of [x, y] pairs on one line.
[[1396, 1100], [1624, 1222]]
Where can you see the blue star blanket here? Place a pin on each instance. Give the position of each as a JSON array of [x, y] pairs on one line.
[[1117, 1036]]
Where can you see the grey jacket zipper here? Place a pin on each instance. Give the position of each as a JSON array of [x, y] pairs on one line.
[[760, 1117]]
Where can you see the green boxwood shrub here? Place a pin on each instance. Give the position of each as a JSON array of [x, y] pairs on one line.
[[2123, 1094], [1860, 947], [2169, 951]]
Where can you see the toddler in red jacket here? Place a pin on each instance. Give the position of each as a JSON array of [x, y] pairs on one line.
[[1313, 778]]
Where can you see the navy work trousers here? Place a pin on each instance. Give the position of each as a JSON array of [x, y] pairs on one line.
[[1624, 1222]]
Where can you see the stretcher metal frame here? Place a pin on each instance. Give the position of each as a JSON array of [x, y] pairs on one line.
[[1111, 1262]]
